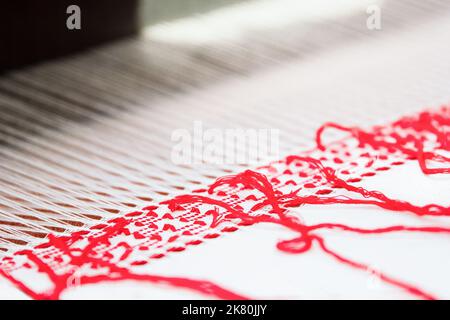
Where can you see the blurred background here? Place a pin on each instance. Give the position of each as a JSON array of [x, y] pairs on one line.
[[86, 115], [34, 31]]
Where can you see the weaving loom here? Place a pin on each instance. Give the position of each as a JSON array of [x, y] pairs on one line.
[[86, 139]]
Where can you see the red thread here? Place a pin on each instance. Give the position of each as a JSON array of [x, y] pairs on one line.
[[409, 143], [408, 137]]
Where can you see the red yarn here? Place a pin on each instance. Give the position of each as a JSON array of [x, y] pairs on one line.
[[304, 241], [409, 136], [115, 273], [435, 124]]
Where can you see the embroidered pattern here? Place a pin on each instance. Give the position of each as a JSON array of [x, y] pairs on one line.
[[329, 174]]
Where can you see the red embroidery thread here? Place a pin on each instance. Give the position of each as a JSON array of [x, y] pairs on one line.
[[409, 138]]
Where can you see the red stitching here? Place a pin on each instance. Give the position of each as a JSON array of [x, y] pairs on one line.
[[197, 216]]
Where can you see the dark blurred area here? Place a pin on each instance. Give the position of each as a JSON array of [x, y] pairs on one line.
[[32, 30]]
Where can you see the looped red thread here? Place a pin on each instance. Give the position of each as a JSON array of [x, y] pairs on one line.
[[409, 137], [431, 123]]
